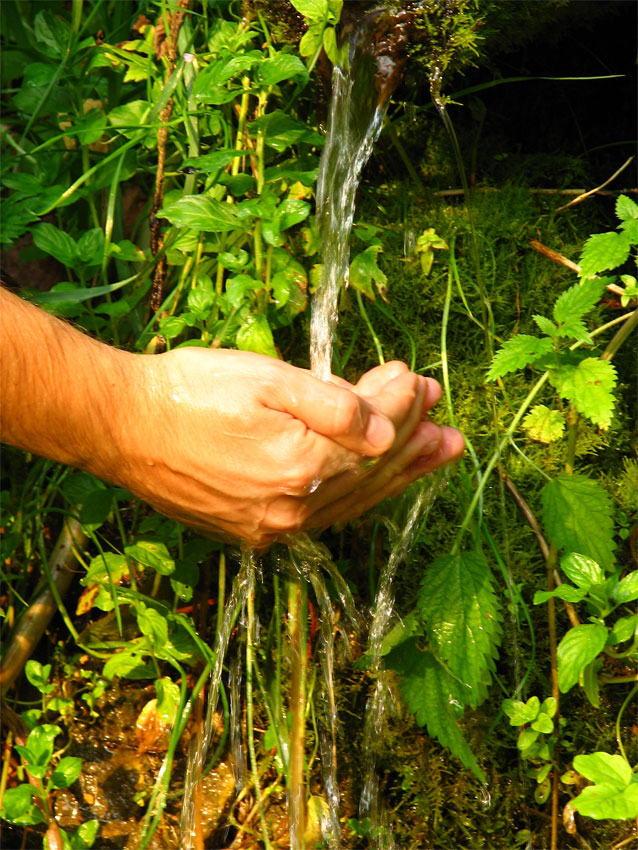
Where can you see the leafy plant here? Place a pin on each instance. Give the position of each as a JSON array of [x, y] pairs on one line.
[[537, 739]]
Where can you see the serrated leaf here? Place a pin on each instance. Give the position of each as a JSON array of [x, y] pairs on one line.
[[461, 615], [627, 589], [544, 424], [626, 208], [517, 353], [575, 329], [580, 646], [546, 325], [577, 516], [431, 693], [604, 251], [581, 570], [589, 386], [578, 300]]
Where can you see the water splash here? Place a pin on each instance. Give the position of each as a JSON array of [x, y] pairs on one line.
[[201, 741]]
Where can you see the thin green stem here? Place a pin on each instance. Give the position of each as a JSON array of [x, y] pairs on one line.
[[373, 334], [630, 696]]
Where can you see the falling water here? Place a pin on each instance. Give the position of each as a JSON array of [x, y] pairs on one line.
[[201, 741], [380, 699], [355, 121]]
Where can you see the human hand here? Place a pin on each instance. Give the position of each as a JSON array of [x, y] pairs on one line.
[[244, 446]]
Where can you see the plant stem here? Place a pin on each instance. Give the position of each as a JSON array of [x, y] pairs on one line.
[[630, 696], [620, 336], [296, 803], [551, 616]]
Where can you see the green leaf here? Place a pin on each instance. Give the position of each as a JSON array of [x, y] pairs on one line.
[[589, 386], [604, 251], [172, 326], [626, 209], [128, 117], [461, 614], [520, 712], [85, 836], [233, 262], [432, 694], [517, 353], [581, 570], [53, 33], [546, 325], [201, 213], [544, 424], [40, 743], [291, 212], [282, 131], [110, 564], [543, 723], [285, 66], [627, 589], [577, 516], [563, 591], [313, 10], [255, 335], [66, 772], [96, 508], [168, 699], [128, 664], [57, 243], [549, 706], [364, 270], [90, 246], [37, 674], [311, 40], [154, 625], [591, 684], [67, 293], [605, 801], [578, 300], [152, 553], [580, 646], [16, 801], [623, 629], [215, 160]]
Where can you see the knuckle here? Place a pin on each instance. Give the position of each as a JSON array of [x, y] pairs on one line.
[[347, 413]]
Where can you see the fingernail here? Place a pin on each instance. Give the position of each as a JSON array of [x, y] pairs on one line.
[[380, 431]]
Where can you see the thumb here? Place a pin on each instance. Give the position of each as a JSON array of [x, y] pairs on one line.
[[335, 412]]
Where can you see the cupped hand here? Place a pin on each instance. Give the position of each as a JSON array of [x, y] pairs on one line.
[[244, 446]]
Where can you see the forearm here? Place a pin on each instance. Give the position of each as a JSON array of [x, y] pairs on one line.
[[60, 390]]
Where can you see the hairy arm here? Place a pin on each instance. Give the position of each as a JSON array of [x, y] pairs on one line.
[[233, 443]]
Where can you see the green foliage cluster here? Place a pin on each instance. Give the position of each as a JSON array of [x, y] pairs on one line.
[[84, 122]]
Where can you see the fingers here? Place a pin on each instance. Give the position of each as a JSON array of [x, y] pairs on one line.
[[333, 411]]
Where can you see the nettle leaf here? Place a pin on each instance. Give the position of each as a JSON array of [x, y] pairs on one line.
[[201, 213], [577, 516], [626, 209], [575, 329], [517, 353], [578, 300], [285, 66], [461, 615], [581, 570], [57, 243], [435, 697], [589, 386], [544, 424], [580, 646], [546, 325], [364, 271], [604, 251]]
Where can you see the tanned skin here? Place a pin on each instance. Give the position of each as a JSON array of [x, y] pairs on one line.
[[237, 445]]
